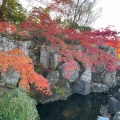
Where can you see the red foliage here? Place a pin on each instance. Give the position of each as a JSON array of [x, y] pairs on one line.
[[63, 38], [70, 67], [116, 45], [23, 64], [7, 27]]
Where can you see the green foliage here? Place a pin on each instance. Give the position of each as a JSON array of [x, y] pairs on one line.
[[17, 105], [60, 88], [13, 11], [84, 28], [60, 91], [39, 68]]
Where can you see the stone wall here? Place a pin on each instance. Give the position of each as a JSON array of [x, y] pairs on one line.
[[9, 44], [63, 83]]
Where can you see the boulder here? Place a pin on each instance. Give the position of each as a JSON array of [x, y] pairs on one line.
[[44, 59], [98, 77], [51, 49], [24, 46], [114, 105], [104, 110], [99, 87], [108, 49], [86, 75], [104, 76], [117, 116], [54, 60], [81, 87], [10, 78], [61, 92], [53, 77], [67, 71], [8, 44], [118, 80], [110, 79], [49, 57], [117, 95]]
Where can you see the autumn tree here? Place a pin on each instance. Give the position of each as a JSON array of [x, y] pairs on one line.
[[66, 40], [12, 10], [15, 59], [81, 12]]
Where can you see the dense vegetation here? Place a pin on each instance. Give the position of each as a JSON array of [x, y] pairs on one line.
[[17, 105], [39, 24]]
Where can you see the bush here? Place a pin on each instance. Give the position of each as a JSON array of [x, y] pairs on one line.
[[17, 105]]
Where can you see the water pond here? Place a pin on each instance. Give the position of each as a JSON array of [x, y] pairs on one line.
[[76, 107]]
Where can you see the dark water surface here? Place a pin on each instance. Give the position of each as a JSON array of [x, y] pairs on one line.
[[76, 107]]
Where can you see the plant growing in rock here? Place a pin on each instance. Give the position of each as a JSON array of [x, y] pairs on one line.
[[60, 91]]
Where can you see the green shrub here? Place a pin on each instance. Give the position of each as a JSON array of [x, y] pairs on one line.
[[17, 105]]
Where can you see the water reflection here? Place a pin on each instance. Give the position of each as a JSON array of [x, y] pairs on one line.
[[76, 107]]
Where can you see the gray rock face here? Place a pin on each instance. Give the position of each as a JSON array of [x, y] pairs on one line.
[[102, 75], [2, 81], [81, 87], [108, 49], [24, 46], [104, 110], [68, 72], [54, 60], [53, 77], [118, 80], [109, 79], [49, 57], [86, 75], [99, 87], [98, 77], [117, 116], [114, 105], [7, 44], [117, 95], [10, 78], [61, 92], [44, 59], [106, 77], [51, 49]]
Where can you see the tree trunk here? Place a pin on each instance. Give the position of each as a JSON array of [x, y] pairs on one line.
[[2, 10]]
